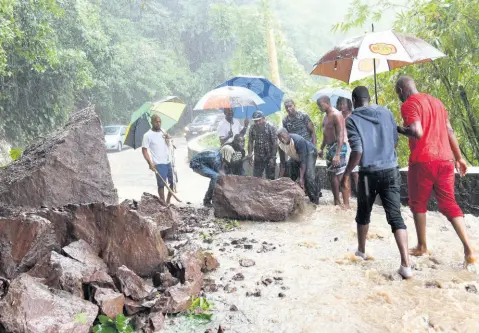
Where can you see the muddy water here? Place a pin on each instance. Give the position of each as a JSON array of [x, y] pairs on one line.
[[328, 290]]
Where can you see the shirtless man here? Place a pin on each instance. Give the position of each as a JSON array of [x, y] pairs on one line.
[[334, 140], [346, 107]]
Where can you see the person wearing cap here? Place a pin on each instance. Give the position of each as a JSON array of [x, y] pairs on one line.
[[373, 138], [298, 122], [213, 162], [229, 127], [302, 158], [335, 140], [262, 146]]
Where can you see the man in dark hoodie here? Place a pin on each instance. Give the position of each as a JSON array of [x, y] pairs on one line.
[[373, 138]]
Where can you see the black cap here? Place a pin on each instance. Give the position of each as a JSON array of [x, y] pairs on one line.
[[257, 115], [360, 92]]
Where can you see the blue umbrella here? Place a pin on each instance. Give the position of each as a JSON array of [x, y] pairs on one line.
[[271, 95]]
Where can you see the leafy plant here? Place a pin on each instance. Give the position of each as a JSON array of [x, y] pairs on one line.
[[107, 325], [200, 309], [15, 153]]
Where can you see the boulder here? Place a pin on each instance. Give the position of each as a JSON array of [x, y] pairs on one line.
[[70, 166], [68, 274], [81, 251], [164, 217], [24, 240], [118, 234], [110, 302], [132, 307], [132, 285], [30, 306], [251, 198]]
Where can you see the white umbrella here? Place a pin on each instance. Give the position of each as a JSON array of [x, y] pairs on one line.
[[373, 53], [332, 93]]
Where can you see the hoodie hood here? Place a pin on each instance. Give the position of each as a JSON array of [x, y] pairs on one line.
[[370, 113]]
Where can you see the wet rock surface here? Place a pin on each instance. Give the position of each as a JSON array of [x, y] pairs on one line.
[[251, 198], [30, 306], [70, 166]]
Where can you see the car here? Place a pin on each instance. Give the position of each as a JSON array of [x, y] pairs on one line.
[[203, 123], [114, 137]]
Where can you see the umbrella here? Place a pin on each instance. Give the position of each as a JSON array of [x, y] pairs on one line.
[[373, 53], [332, 93], [271, 95], [169, 109], [229, 97]]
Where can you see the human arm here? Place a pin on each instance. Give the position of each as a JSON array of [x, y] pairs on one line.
[[356, 145], [250, 145], [146, 155], [323, 144], [302, 149], [274, 146], [412, 122], [224, 132], [312, 130], [282, 162], [245, 127], [338, 122], [461, 164]]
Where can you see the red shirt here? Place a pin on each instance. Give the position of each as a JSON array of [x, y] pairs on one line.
[[434, 144]]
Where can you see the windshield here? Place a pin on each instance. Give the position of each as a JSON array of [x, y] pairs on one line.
[[111, 130], [205, 119]]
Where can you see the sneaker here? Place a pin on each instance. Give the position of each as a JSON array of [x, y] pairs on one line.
[[405, 272]]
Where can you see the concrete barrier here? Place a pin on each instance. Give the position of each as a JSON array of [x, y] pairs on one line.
[[466, 188]]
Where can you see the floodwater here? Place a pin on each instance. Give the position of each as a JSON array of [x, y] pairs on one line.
[[327, 289]]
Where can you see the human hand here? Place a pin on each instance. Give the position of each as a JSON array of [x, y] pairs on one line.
[[152, 166], [301, 183], [272, 162], [246, 122], [461, 167], [230, 134], [335, 161]]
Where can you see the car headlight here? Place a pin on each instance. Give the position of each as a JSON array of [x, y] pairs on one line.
[[186, 129]]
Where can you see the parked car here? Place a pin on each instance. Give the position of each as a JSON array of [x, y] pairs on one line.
[[203, 123], [114, 136]]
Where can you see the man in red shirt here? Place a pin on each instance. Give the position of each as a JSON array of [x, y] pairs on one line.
[[434, 147]]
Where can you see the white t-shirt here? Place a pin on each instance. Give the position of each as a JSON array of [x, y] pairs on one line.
[[225, 126], [156, 144]]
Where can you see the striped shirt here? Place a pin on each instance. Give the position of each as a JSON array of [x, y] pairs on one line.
[[298, 125]]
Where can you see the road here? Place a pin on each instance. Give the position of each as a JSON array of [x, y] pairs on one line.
[[132, 176]]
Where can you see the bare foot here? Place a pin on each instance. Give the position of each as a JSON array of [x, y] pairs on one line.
[[470, 259], [418, 251], [346, 207]]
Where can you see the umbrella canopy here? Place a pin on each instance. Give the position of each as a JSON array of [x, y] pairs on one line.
[[353, 59], [229, 97], [373, 53], [332, 93], [169, 109], [265, 89]]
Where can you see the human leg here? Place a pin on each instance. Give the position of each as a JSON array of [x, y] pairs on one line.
[[420, 181], [270, 171], [310, 183], [335, 182], [444, 190], [258, 168], [390, 194], [206, 171], [366, 197], [162, 170]]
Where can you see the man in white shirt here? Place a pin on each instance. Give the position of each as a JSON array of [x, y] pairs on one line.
[[155, 144], [229, 127]]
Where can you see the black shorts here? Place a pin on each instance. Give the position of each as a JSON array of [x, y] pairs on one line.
[[386, 183]]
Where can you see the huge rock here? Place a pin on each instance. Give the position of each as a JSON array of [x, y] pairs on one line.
[[110, 302], [117, 234], [70, 275], [31, 307], [164, 217], [70, 166], [24, 240], [251, 198]]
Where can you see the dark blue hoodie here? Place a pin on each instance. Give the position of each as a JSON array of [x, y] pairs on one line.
[[372, 131]]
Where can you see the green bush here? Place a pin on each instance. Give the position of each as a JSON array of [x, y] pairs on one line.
[[15, 153], [107, 325]]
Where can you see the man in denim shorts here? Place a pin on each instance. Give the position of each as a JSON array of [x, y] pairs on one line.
[[157, 155]]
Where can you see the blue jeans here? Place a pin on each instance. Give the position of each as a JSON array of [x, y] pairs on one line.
[[205, 171]]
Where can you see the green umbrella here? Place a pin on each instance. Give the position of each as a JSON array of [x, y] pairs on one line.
[[169, 109]]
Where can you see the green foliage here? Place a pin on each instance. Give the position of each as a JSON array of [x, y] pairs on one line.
[[107, 325], [15, 153], [452, 26], [200, 309]]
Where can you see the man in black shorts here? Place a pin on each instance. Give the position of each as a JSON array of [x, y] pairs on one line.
[[373, 138]]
